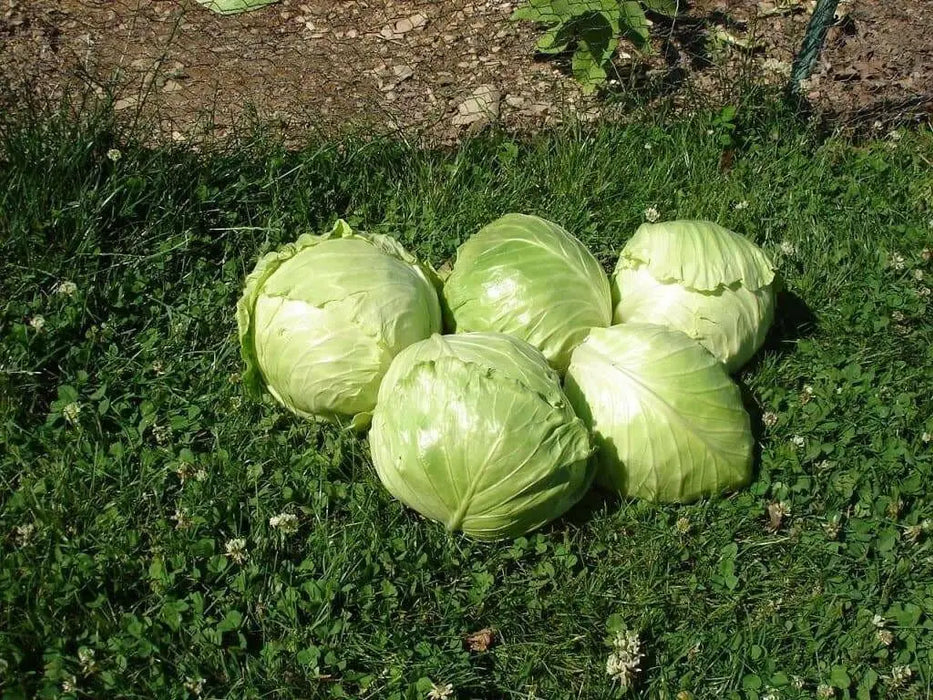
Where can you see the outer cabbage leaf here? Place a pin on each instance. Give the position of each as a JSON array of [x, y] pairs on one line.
[[699, 278], [530, 278], [321, 319], [667, 419], [474, 431]]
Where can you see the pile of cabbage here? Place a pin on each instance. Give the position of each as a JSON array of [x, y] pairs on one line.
[[496, 397]]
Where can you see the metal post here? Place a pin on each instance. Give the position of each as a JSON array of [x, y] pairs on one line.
[[820, 21]]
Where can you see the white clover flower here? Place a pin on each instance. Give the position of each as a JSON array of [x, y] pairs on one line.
[[806, 394], [797, 682], [161, 433], [86, 659], [924, 291], [158, 368], [901, 675], [236, 550], [896, 261], [926, 437], [779, 508], [798, 441], [200, 474], [832, 527], [825, 691], [37, 322], [913, 533], [897, 316], [624, 661], [918, 275], [885, 637], [788, 249], [440, 692], [69, 685], [114, 154], [739, 206], [652, 215], [648, 147], [65, 288], [927, 253], [287, 523], [878, 621], [683, 525], [195, 686], [71, 411], [772, 694], [182, 521], [769, 418], [24, 533]]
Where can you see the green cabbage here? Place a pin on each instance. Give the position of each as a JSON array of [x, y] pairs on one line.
[[474, 431], [321, 320], [529, 278], [667, 419], [699, 278]]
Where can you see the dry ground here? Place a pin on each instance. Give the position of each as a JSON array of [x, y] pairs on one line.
[[435, 68]]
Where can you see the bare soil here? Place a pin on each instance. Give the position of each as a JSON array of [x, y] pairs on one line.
[[440, 69]]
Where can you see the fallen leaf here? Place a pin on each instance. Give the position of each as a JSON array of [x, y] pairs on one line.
[[482, 640]]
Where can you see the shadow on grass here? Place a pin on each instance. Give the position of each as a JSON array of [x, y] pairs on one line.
[[794, 321]]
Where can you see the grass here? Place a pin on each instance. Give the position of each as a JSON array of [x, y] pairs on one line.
[[115, 575]]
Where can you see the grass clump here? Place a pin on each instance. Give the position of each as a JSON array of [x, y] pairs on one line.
[[164, 538]]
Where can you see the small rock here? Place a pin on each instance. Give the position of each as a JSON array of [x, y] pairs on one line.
[[171, 86], [352, 34], [125, 103], [391, 79], [402, 72], [414, 22], [538, 109], [481, 106], [515, 101]]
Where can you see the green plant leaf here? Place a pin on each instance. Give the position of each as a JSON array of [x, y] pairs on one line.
[[553, 41], [587, 70], [234, 7], [668, 8], [535, 11], [545, 11], [635, 22], [596, 40]]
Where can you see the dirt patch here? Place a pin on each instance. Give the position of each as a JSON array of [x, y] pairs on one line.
[[437, 69]]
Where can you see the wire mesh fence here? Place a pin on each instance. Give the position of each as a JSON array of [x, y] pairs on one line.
[[426, 69]]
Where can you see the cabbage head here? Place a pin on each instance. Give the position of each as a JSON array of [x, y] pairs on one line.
[[474, 431], [699, 278], [667, 419], [530, 278], [322, 318]]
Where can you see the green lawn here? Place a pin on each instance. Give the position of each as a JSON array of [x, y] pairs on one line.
[[130, 463]]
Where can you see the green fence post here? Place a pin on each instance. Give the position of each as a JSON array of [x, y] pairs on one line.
[[820, 21]]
